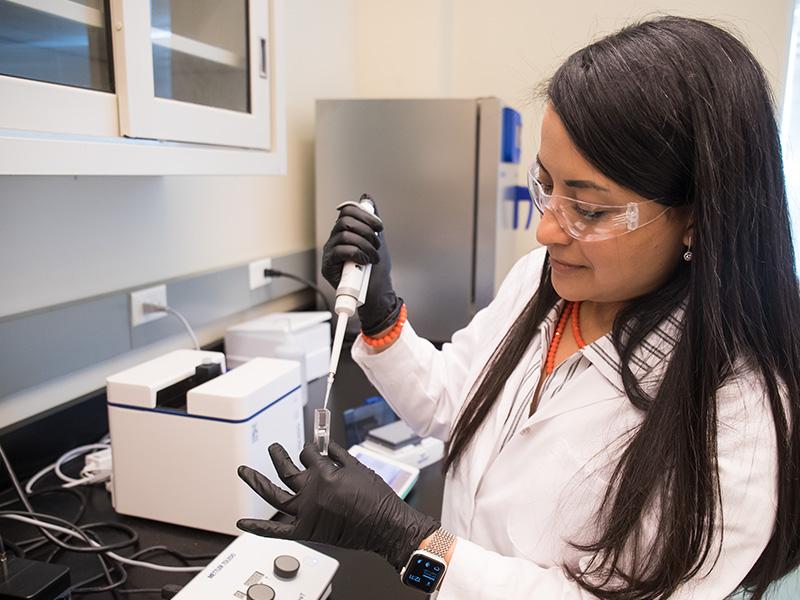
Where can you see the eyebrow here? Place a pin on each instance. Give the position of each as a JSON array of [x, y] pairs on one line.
[[580, 184]]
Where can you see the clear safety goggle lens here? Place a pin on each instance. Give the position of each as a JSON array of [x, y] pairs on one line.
[[584, 220]]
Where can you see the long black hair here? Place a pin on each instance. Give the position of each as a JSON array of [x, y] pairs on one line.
[[679, 110]]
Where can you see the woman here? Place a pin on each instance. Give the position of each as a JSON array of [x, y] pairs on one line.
[[627, 428]]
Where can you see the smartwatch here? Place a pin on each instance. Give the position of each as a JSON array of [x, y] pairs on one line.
[[425, 569]]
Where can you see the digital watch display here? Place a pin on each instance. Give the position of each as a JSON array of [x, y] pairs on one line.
[[426, 568], [424, 571]]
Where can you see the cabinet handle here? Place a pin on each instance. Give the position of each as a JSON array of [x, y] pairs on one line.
[[263, 70]]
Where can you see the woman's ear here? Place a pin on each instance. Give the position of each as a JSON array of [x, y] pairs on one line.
[[688, 233]]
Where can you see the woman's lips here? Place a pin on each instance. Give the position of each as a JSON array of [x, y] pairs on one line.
[[563, 267]]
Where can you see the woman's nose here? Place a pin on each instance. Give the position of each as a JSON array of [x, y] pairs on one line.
[[549, 230]]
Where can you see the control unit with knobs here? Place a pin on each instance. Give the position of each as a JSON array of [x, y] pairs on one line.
[[256, 568]]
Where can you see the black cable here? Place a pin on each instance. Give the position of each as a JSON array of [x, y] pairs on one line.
[[88, 528], [89, 548], [97, 550], [82, 503], [306, 282], [184, 558], [13, 476], [84, 532], [27, 503], [78, 588], [37, 542]]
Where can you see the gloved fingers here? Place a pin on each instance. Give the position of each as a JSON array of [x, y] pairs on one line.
[[340, 455], [285, 467], [271, 529], [356, 224], [352, 225], [354, 211], [261, 485], [346, 246], [313, 460]]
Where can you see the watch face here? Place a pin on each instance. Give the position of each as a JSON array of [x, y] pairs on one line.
[[424, 572]]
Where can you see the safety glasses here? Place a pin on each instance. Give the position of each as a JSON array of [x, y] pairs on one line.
[[586, 221]]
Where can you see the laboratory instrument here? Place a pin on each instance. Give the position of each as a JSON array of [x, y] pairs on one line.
[[444, 173], [299, 335], [304, 336], [350, 294], [259, 568], [393, 436], [399, 476], [181, 426]]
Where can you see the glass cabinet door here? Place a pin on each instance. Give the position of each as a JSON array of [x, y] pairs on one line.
[[200, 52], [142, 87], [193, 70], [64, 41]]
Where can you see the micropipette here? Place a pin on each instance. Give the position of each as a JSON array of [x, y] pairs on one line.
[[350, 294]]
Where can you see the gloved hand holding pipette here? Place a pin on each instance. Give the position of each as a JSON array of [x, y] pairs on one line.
[[357, 236], [356, 262]]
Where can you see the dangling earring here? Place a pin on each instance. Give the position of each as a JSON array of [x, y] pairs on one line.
[[687, 256]]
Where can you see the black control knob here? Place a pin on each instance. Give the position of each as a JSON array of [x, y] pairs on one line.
[[286, 567], [260, 591]]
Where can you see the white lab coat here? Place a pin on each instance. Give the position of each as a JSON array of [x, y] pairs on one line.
[[530, 484]]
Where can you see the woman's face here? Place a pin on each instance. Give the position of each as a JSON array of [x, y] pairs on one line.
[[612, 270]]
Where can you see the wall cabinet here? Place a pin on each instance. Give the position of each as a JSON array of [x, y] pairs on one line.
[[147, 87]]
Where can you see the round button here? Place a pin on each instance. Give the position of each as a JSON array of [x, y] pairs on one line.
[[286, 567], [260, 591]]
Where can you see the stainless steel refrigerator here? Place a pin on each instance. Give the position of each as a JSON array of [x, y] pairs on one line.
[[443, 174]]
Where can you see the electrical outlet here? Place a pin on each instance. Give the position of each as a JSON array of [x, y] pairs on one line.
[[154, 295], [256, 269]]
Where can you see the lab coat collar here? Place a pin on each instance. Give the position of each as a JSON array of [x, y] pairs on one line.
[[649, 359]]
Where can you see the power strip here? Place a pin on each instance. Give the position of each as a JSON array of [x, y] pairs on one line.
[[32, 580], [257, 568]]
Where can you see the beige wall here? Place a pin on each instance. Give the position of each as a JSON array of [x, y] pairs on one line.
[[64, 239], [72, 238], [466, 48], [471, 48]]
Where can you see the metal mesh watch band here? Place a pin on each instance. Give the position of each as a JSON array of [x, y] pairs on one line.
[[440, 542]]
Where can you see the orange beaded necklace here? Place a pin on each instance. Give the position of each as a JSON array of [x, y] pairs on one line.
[[571, 309]]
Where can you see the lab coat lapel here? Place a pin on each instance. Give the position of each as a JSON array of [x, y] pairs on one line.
[[487, 446]]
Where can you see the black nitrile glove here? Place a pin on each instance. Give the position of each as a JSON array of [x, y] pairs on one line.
[[339, 502], [358, 236]]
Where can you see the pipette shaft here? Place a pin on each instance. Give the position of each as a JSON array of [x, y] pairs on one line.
[[322, 416], [350, 294], [336, 352]]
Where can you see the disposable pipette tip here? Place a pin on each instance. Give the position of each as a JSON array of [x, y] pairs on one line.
[[327, 395]]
